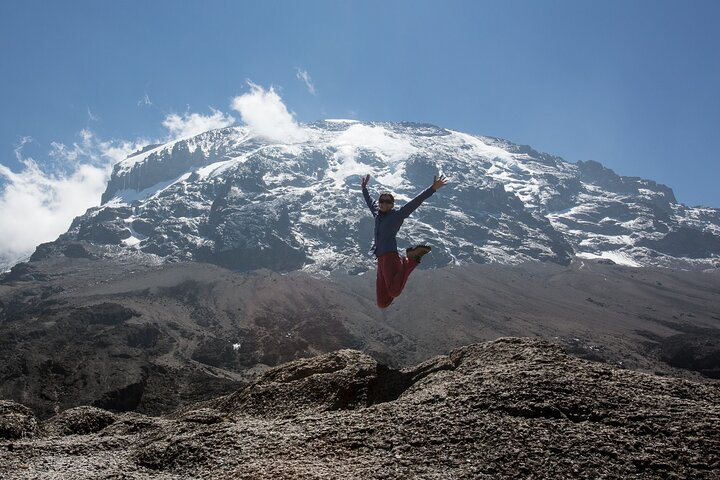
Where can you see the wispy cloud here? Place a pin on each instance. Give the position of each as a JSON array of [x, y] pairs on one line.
[[145, 101], [264, 112], [305, 77], [191, 124], [39, 202], [18, 148], [93, 117]]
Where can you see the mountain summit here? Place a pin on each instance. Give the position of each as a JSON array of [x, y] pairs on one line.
[[242, 201]]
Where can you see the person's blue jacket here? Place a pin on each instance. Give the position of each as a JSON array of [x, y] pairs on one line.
[[388, 224]]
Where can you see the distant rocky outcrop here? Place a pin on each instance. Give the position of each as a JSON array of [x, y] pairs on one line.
[[512, 408]]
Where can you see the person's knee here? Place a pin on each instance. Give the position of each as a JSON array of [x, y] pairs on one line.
[[395, 291], [384, 303]]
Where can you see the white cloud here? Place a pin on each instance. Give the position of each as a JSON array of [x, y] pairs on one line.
[[264, 112], [38, 203], [191, 124], [303, 75]]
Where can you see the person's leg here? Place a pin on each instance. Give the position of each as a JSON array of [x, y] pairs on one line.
[[383, 297], [402, 273], [392, 275]]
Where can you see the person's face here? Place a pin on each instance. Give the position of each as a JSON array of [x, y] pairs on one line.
[[385, 204]]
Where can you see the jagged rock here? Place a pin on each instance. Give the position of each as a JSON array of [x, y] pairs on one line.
[[16, 420], [79, 421], [686, 242], [77, 250], [143, 227], [340, 380], [104, 233]]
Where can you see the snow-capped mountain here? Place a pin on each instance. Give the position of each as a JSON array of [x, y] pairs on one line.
[[242, 201]]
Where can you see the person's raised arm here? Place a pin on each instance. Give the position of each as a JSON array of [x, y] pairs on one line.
[[372, 205], [438, 182]]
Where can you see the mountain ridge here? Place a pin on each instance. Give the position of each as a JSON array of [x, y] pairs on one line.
[[241, 201]]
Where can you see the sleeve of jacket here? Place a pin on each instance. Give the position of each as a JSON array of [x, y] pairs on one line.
[[372, 205], [410, 207]]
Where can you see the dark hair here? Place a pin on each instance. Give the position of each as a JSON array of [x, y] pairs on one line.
[[386, 194]]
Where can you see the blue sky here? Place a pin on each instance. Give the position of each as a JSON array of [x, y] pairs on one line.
[[632, 84]]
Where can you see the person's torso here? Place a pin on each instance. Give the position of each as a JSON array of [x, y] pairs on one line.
[[387, 225]]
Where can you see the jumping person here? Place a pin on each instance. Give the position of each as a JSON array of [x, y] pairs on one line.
[[392, 269]]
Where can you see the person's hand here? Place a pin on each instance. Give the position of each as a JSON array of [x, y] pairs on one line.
[[439, 182], [365, 180]]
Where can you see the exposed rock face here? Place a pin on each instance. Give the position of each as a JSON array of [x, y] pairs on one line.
[[505, 409]]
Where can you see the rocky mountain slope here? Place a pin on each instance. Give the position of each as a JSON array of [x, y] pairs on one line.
[[510, 408], [244, 202], [129, 336]]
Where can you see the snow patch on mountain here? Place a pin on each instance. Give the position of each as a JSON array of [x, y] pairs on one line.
[[390, 147], [617, 257]]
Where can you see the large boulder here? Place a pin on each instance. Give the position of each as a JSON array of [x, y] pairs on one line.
[[79, 421], [341, 380], [16, 420]]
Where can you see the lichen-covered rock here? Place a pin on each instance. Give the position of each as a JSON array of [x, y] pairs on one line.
[[79, 421], [16, 420]]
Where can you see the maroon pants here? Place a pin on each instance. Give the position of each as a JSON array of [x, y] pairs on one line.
[[392, 274]]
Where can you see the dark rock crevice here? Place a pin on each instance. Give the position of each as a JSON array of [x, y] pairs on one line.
[[124, 399], [698, 351]]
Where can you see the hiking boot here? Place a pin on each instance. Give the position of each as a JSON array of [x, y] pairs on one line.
[[417, 252]]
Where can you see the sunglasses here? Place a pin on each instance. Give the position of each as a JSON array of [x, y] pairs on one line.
[[385, 200]]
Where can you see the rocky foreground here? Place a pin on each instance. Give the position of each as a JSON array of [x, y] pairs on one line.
[[512, 408]]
